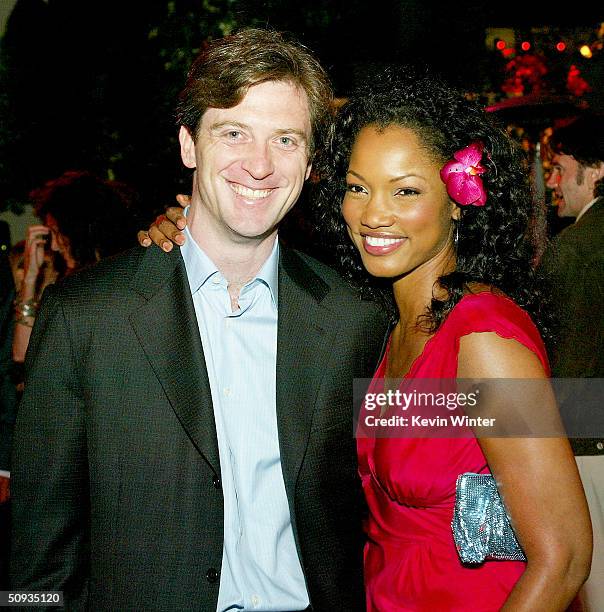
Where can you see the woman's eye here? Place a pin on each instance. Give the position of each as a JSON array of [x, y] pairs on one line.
[[354, 188], [407, 191]]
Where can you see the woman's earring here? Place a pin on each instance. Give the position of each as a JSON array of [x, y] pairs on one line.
[[456, 236]]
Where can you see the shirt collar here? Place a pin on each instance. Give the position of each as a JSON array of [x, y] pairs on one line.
[[269, 273], [200, 267], [585, 209]]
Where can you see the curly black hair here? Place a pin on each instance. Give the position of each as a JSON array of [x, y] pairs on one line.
[[494, 245]]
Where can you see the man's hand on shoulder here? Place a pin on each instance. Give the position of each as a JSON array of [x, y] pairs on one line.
[[165, 231]]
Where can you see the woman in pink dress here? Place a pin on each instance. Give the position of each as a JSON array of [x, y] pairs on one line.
[[436, 202]]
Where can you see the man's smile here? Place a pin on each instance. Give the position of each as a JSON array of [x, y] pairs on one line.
[[250, 194]]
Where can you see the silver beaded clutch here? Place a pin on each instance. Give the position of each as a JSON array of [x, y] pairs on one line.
[[481, 527]]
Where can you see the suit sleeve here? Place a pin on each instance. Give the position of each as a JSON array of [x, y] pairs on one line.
[[577, 293], [50, 546]]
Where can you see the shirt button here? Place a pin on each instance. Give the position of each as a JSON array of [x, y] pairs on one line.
[[211, 575], [216, 280], [256, 601], [600, 445], [226, 391], [216, 483]]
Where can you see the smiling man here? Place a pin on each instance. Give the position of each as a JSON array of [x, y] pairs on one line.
[[185, 439], [251, 162]]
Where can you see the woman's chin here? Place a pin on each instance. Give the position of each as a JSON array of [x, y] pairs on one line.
[[384, 271]]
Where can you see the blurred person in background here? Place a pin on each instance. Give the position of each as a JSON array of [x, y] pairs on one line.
[[574, 261], [85, 218], [574, 257]]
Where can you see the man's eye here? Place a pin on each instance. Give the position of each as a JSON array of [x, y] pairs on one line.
[[286, 141], [232, 135]]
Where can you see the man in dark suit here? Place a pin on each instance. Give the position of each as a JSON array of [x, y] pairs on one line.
[[574, 257], [185, 439], [574, 261]]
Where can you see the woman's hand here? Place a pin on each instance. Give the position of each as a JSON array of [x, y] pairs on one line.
[[34, 277], [35, 242], [536, 474], [165, 230]]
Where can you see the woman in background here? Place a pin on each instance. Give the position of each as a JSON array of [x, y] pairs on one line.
[[85, 218]]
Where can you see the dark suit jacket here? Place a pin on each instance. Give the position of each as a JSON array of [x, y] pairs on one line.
[[116, 475], [575, 263]]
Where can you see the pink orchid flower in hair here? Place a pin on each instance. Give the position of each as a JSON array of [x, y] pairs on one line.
[[461, 175]]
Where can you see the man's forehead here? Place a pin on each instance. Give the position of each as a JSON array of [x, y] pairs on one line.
[[561, 159], [278, 101]]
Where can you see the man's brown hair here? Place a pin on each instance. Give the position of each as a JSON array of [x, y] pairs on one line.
[[226, 68]]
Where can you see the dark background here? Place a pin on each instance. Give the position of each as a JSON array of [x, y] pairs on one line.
[[92, 84]]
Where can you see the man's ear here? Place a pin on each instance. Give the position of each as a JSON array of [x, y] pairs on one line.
[[187, 147], [308, 170], [598, 172]]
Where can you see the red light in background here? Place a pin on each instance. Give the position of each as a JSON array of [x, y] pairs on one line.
[[561, 46], [525, 46], [500, 44]]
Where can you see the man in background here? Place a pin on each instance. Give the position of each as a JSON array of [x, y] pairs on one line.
[[574, 257], [574, 261]]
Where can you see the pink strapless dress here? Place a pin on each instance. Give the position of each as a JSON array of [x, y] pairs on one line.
[[411, 562]]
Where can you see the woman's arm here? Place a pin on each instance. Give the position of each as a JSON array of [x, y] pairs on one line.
[[538, 481], [165, 231], [26, 303]]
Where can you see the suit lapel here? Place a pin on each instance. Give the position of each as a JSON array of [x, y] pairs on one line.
[[167, 329], [304, 336]]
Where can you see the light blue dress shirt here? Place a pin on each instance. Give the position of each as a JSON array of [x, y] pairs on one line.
[[260, 565]]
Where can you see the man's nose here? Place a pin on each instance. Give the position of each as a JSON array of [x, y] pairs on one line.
[[553, 179], [258, 161]]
